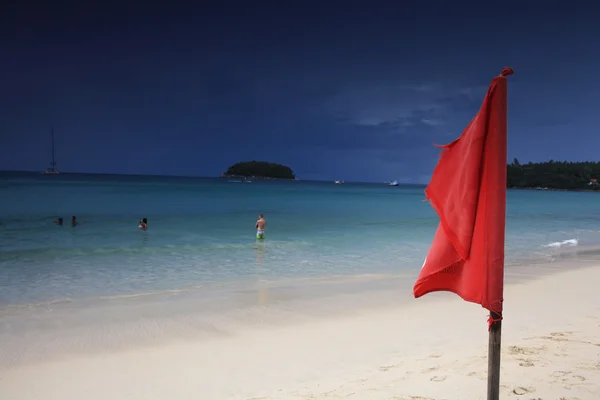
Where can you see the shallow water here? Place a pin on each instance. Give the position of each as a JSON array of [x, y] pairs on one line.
[[201, 232]]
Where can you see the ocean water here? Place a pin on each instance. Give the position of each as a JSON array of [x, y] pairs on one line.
[[201, 232]]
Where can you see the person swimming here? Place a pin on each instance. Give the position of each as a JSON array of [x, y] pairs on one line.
[[260, 226], [59, 221], [143, 224], [74, 221]]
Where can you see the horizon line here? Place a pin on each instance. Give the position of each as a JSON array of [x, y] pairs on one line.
[[192, 176]]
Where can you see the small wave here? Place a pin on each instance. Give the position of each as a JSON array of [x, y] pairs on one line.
[[569, 242], [158, 292], [26, 306], [136, 250]]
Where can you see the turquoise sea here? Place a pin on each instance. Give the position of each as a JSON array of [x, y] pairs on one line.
[[201, 232]]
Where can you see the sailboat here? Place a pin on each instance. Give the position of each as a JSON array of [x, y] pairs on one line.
[[52, 170]]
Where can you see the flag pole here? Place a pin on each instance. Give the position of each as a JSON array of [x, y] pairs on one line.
[[466, 256], [495, 318], [494, 349]]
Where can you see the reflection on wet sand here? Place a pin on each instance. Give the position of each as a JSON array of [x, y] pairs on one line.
[[263, 292]]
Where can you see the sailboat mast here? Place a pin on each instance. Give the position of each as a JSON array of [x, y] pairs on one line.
[[52, 170]]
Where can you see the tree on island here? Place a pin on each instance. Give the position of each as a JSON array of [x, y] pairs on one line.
[[561, 175], [260, 169]]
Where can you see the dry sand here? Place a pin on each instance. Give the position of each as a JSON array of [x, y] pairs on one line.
[[431, 348]]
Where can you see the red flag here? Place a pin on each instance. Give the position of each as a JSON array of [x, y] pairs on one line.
[[468, 192]]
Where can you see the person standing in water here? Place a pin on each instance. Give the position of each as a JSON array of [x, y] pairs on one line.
[[261, 224], [143, 224], [74, 221]]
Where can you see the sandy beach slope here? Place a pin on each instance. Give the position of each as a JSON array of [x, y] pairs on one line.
[[430, 348]]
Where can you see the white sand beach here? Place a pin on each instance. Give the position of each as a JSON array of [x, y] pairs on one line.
[[430, 348]]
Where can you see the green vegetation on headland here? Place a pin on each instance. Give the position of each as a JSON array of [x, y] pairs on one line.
[[259, 169], [554, 175]]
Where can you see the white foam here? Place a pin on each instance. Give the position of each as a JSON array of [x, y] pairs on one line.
[[569, 242]]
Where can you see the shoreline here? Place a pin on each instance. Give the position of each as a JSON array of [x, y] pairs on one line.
[[224, 176], [376, 344], [545, 261], [552, 259]]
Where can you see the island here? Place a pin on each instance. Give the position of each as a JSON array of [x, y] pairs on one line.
[[554, 175], [259, 169]]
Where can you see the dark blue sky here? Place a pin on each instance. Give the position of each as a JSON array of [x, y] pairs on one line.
[[334, 89]]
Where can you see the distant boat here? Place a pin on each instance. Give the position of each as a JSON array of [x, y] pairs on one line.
[[339, 182], [52, 170], [238, 181], [393, 183]]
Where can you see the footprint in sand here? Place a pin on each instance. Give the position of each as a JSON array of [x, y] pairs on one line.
[[478, 374], [426, 370], [555, 338], [525, 350], [388, 367], [568, 333], [523, 390], [412, 398], [438, 378], [566, 377], [523, 362], [589, 367], [435, 356]]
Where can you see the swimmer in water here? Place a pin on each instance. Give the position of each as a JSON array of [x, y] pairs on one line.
[[59, 221], [260, 226], [143, 224], [74, 221]]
